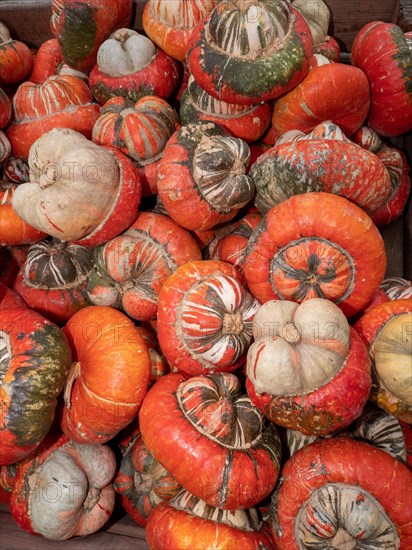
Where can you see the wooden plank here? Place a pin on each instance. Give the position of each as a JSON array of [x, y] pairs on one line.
[[13, 537], [27, 20], [348, 17], [393, 237], [127, 527]]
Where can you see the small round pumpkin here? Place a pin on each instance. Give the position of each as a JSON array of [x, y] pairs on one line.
[[47, 61], [13, 229], [53, 279], [335, 92], [16, 170], [34, 364], [58, 102], [307, 370], [307, 246], [204, 321], [385, 329], [64, 490], [16, 58], [250, 51], [131, 66], [380, 49], [211, 439], [334, 494], [131, 269], [142, 482], [202, 177], [187, 522], [109, 376]]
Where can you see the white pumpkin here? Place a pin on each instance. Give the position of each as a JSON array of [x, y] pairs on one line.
[[73, 184], [125, 52]]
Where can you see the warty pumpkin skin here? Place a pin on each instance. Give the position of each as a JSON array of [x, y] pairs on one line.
[[171, 28], [250, 51], [81, 27], [13, 229], [16, 58], [58, 102], [334, 494], [307, 246], [131, 66], [324, 160], [307, 370], [64, 489], [398, 169], [381, 51], [131, 269], [385, 329], [211, 439], [202, 177], [335, 92], [35, 360], [204, 321], [72, 174], [187, 522], [109, 378], [246, 122], [53, 279], [142, 482]]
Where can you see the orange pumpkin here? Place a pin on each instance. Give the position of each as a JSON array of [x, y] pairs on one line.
[[48, 58], [13, 229], [16, 58], [59, 102], [109, 378], [6, 110]]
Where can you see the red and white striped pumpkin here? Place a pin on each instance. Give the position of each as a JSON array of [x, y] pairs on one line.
[[58, 102], [131, 269], [205, 316]]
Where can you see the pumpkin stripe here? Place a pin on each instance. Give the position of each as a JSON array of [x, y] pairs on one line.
[[5, 354]]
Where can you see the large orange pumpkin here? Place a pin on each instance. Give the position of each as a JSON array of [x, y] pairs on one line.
[[109, 378]]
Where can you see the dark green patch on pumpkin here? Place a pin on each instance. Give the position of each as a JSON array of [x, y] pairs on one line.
[[78, 36], [403, 59]]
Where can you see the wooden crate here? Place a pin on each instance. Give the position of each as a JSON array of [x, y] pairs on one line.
[[29, 21]]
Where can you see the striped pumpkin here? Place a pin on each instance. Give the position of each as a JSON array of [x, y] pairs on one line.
[[383, 53], [397, 166], [16, 170], [397, 288], [131, 269], [131, 66], [171, 29], [13, 229], [246, 122], [324, 160], [335, 494], [5, 147], [307, 247], [307, 370], [59, 102], [205, 316], [142, 482], [385, 329], [158, 364], [202, 176], [82, 25], [187, 520], [53, 279], [250, 51], [211, 439]]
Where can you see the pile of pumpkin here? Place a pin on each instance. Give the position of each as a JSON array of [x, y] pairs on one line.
[[193, 307]]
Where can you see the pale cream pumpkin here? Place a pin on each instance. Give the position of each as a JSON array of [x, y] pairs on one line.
[[317, 16]]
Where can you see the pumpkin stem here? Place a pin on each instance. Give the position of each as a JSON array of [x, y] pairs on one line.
[[143, 483], [343, 540], [291, 333], [232, 323], [92, 498], [74, 373]]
